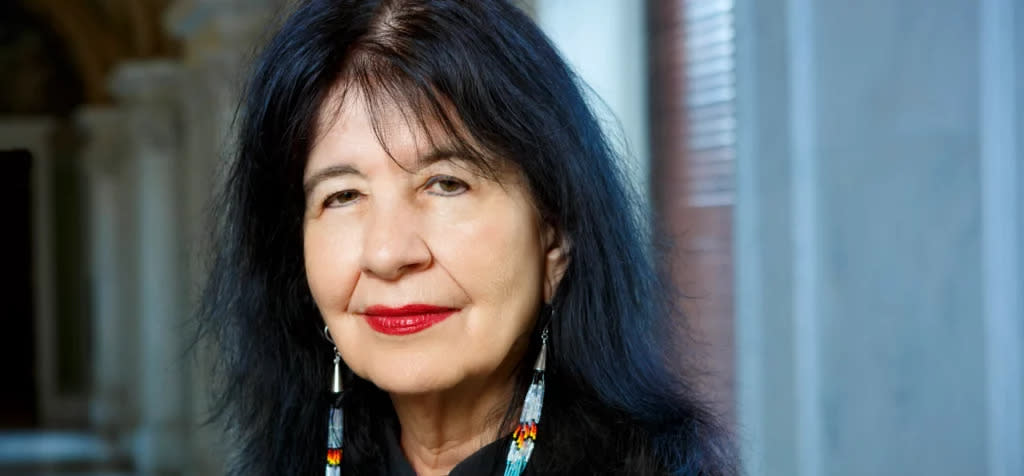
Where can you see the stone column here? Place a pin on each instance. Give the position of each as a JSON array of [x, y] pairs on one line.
[[220, 38], [113, 395], [150, 94]]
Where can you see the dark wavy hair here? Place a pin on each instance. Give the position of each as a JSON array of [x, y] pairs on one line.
[[616, 399]]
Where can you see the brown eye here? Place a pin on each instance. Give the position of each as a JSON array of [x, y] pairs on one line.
[[446, 185], [341, 198]]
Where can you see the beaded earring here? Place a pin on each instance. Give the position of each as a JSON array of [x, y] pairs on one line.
[[335, 420], [526, 432]]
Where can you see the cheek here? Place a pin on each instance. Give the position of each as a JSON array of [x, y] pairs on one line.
[[496, 260], [331, 270]]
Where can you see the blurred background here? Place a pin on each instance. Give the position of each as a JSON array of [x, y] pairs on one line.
[[843, 182]]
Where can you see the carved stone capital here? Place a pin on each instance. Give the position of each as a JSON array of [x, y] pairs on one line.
[[102, 129], [150, 93]]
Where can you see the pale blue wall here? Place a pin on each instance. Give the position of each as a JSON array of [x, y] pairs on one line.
[[899, 217], [865, 323]]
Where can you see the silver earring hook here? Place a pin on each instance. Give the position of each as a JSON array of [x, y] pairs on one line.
[[327, 335]]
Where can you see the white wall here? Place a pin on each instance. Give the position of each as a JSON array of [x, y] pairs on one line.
[[605, 42]]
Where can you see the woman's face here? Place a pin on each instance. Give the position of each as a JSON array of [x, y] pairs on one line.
[[427, 273]]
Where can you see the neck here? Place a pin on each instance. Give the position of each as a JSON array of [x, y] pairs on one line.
[[440, 429]]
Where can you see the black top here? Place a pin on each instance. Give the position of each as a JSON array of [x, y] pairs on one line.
[[489, 460]]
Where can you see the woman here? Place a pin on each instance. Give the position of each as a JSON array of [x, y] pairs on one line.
[[423, 206]]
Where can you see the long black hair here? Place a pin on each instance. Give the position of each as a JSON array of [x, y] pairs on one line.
[[616, 400]]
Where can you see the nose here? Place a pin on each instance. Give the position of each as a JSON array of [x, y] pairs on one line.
[[392, 244]]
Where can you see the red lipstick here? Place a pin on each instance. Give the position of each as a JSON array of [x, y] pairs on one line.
[[407, 319]]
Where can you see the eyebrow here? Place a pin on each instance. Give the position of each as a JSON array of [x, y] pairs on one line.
[[325, 173], [435, 155]]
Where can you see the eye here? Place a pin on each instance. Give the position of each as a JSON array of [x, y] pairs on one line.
[[342, 198], [446, 185]]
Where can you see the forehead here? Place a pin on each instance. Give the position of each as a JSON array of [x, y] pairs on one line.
[[403, 126], [357, 122]]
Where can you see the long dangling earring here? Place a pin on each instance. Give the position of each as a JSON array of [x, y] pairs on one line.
[[335, 420], [526, 433]]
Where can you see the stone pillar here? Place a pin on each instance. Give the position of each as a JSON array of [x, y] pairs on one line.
[[220, 37], [114, 399], [877, 244], [150, 95]]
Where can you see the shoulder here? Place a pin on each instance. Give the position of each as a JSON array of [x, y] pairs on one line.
[[581, 436], [586, 438]]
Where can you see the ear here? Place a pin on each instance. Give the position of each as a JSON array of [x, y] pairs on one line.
[[556, 259]]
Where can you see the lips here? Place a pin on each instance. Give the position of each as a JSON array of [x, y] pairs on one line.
[[408, 319]]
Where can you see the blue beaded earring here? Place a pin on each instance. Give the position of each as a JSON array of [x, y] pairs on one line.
[[335, 420], [523, 438]]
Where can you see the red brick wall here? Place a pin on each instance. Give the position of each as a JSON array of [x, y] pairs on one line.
[[701, 261]]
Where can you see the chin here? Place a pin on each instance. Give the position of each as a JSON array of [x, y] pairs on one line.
[[413, 386], [410, 388], [404, 377]]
